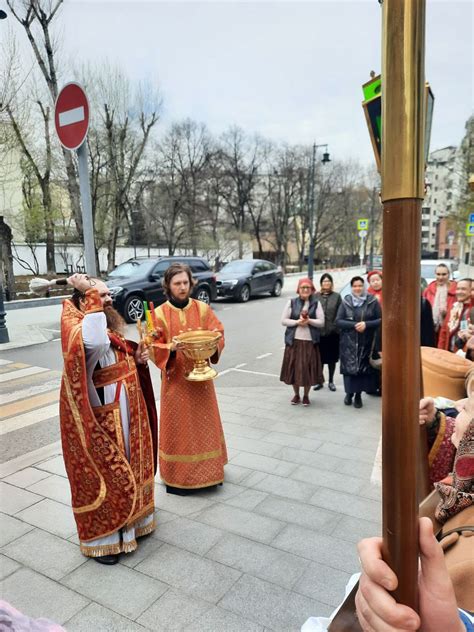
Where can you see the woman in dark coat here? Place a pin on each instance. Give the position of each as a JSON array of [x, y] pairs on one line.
[[358, 318], [329, 341]]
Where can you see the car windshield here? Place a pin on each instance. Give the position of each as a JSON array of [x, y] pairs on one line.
[[428, 270], [131, 268], [238, 267]]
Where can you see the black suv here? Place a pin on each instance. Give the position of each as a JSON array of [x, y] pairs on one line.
[[140, 279]]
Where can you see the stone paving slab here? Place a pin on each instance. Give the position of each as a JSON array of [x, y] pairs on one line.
[[271, 547]]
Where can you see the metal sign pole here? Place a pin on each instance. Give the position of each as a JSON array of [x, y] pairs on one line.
[[87, 222]]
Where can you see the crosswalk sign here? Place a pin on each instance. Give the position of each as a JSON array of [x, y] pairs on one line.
[[362, 224], [470, 229]]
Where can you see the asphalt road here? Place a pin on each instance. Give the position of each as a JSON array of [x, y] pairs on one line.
[[252, 357]]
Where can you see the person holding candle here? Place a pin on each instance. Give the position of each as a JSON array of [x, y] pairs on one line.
[[108, 424], [192, 450]]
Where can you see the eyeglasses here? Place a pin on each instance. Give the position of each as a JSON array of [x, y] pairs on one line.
[[305, 287]]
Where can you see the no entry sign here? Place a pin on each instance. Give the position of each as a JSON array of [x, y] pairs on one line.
[[71, 116]]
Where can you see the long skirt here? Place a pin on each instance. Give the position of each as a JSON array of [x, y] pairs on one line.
[[329, 349], [301, 364], [367, 382]]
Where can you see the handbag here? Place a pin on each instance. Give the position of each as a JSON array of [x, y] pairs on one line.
[[375, 363]]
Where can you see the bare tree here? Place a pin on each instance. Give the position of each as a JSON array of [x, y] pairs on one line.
[[241, 159], [37, 18]]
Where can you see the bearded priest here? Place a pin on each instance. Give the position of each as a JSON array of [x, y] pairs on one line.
[[108, 424]]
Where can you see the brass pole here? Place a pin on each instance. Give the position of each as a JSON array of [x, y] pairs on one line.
[[403, 115]]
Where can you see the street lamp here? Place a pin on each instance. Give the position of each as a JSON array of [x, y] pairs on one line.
[[4, 337], [324, 160]]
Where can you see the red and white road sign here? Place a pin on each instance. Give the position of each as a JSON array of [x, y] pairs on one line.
[[71, 116]]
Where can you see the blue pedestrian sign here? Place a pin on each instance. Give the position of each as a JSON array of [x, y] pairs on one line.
[[362, 224], [471, 218]]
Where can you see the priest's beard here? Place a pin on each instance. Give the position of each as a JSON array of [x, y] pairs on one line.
[[115, 322]]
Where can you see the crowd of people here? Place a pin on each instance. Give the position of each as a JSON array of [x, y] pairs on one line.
[[322, 328], [112, 450]]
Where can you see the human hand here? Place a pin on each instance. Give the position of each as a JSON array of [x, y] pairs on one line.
[[470, 343], [464, 335], [378, 610], [81, 282], [427, 410], [142, 354], [360, 327], [302, 322], [175, 344]]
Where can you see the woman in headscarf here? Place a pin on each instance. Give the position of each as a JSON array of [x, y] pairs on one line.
[[303, 318], [329, 342], [358, 318], [374, 278]]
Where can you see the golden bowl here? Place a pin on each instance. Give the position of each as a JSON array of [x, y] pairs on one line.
[[199, 346]]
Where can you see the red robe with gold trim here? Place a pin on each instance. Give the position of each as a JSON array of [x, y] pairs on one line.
[[192, 450], [108, 490]]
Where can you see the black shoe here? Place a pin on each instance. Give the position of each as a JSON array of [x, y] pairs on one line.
[[348, 399], [357, 401], [318, 387], [332, 386], [178, 491], [109, 560]]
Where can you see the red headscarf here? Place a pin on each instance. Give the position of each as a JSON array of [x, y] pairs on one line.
[[376, 293], [305, 282]]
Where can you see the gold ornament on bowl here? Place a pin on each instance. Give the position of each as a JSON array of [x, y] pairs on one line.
[[199, 346]]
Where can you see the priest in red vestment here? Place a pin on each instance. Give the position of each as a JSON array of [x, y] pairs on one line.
[[192, 450], [108, 424]]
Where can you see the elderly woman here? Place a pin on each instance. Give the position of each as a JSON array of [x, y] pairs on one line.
[[375, 284], [303, 317], [329, 342], [358, 318]]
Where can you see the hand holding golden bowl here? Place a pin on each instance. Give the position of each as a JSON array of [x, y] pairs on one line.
[[199, 346]]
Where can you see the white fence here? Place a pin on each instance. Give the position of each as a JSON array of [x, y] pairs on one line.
[[71, 257]]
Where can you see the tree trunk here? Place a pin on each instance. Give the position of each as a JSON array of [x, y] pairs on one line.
[[49, 229]]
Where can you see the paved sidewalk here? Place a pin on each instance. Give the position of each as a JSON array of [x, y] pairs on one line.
[[273, 546]]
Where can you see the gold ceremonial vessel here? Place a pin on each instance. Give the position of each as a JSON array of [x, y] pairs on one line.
[[199, 346]]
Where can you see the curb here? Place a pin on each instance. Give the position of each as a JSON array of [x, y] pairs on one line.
[[11, 306]]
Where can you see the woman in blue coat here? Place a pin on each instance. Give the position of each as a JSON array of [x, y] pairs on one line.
[[358, 318]]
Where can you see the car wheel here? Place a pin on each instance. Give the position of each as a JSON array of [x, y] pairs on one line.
[[276, 289], [133, 309], [244, 294], [203, 295]]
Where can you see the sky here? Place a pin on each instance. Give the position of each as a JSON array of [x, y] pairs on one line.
[[290, 71]]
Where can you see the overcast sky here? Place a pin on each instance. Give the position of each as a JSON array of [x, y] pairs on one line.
[[290, 71]]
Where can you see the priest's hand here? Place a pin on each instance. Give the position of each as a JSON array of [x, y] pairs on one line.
[[378, 610], [81, 282], [142, 355]]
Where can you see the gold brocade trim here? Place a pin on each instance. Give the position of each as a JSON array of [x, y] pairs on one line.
[[139, 533], [111, 374], [438, 441], [129, 547], [119, 429], [98, 551], [77, 418], [190, 458], [221, 480], [203, 311]]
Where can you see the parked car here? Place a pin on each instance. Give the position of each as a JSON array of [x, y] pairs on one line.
[[428, 268], [141, 279], [377, 261], [243, 278]]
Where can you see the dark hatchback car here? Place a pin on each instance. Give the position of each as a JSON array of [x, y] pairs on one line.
[[141, 279], [243, 278]]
